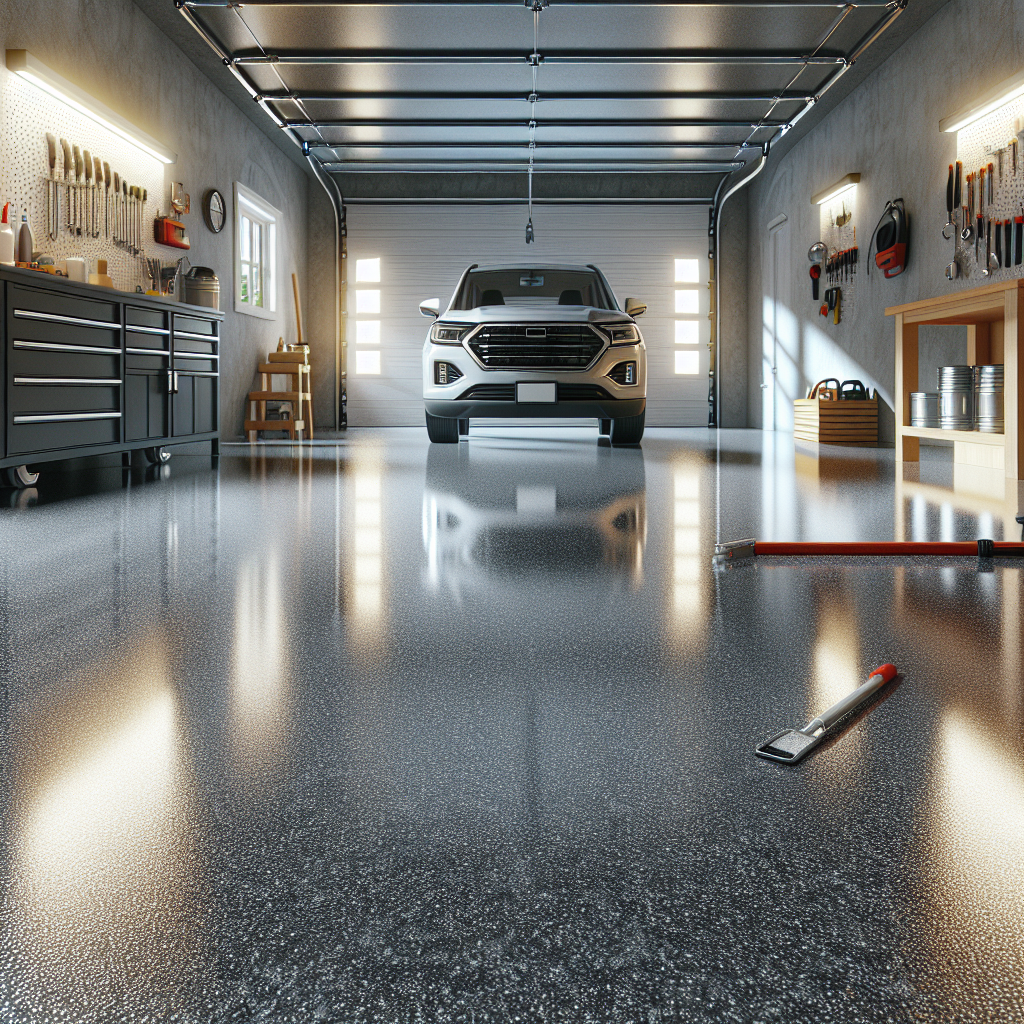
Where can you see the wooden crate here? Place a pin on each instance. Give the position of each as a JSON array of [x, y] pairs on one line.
[[851, 423]]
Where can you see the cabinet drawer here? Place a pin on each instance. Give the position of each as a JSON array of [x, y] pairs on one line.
[[137, 361], [202, 348], [22, 360], [70, 430], [154, 340], [152, 318], [32, 300], [63, 333], [186, 362], [34, 395], [194, 325]]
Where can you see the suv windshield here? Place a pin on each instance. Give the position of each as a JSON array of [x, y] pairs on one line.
[[533, 286]]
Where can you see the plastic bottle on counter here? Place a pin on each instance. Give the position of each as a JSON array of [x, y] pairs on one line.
[[6, 238], [26, 243]]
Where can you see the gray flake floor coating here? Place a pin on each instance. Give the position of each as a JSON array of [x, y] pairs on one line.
[[394, 733]]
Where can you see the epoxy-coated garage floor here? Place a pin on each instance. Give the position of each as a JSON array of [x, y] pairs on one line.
[[465, 734]]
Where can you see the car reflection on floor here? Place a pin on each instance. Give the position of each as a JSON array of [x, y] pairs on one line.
[[490, 517]]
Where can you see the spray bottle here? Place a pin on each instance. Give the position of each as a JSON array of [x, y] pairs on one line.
[[26, 243], [6, 238]]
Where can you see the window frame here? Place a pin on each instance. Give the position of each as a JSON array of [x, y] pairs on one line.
[[258, 211]]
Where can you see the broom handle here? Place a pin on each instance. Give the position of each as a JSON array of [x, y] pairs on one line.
[[298, 311]]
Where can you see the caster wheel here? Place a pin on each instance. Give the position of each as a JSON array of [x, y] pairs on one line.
[[157, 456], [21, 476]]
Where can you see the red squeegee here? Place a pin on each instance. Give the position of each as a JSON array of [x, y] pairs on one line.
[[735, 550]]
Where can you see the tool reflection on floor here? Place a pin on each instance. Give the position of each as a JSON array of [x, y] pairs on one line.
[[792, 745], [737, 550]]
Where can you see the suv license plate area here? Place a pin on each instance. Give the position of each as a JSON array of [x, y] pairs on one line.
[[536, 394]]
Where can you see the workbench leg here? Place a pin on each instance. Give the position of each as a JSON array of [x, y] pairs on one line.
[[979, 344], [1013, 381], [908, 449]]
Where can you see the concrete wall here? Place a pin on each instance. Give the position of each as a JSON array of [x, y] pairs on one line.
[[116, 54], [887, 129]]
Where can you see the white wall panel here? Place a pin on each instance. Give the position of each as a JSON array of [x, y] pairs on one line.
[[424, 250]]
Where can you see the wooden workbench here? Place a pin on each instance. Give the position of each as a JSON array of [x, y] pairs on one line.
[[992, 315]]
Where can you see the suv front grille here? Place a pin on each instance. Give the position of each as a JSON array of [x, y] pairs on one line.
[[561, 347], [490, 393]]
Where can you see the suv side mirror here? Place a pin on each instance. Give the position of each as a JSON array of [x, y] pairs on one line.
[[634, 307], [431, 308]]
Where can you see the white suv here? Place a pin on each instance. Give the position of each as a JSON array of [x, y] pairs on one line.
[[537, 341]]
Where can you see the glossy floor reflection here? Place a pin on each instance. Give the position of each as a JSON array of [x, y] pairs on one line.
[[396, 733]]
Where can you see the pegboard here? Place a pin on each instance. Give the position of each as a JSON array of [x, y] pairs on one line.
[[28, 114], [978, 145], [838, 230]]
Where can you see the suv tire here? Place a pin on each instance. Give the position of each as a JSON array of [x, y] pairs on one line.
[[442, 430], [628, 430]]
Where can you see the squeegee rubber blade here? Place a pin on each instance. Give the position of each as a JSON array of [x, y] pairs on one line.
[[790, 745]]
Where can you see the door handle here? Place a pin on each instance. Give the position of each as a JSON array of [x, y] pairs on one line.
[[175, 381], [170, 382]]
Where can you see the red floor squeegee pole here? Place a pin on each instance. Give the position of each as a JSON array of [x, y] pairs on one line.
[[892, 547], [978, 548]]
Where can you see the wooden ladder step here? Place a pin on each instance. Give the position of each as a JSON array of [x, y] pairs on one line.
[[278, 396], [274, 425]]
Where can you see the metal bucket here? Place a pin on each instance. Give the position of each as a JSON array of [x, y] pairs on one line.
[[924, 409], [956, 397], [988, 398], [202, 288]]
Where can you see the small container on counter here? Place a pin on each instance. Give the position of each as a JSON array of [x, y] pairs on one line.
[[6, 237], [202, 288]]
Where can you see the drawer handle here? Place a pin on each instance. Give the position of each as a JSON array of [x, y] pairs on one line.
[[55, 346], [67, 417], [56, 318], [147, 352], [194, 355], [107, 381], [145, 330], [200, 373], [196, 337]]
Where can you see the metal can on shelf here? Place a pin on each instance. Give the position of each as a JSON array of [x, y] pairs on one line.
[[988, 398], [924, 409], [956, 397]]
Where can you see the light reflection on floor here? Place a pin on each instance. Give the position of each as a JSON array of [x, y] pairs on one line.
[[392, 732]]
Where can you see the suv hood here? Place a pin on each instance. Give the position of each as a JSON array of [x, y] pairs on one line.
[[535, 314]]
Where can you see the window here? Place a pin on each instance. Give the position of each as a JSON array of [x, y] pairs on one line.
[[368, 302], [687, 271], [687, 360], [256, 223]]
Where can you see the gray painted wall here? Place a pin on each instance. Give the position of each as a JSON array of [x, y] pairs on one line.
[[887, 129], [116, 54]]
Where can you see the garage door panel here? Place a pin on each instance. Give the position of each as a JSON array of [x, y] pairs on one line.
[[423, 251]]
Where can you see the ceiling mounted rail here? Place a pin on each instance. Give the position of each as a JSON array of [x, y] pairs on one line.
[[483, 144], [618, 122], [548, 97], [569, 57], [518, 3], [540, 166]]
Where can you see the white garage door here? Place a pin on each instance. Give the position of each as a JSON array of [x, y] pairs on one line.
[[657, 254]]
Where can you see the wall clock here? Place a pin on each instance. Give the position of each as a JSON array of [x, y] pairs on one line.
[[214, 211]]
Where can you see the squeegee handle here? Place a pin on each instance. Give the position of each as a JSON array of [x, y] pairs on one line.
[[878, 679]]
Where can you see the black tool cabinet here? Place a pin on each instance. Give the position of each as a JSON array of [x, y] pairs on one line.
[[89, 371]]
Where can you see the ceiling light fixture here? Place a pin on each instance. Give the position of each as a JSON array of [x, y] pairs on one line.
[[1007, 90], [23, 64], [844, 184]]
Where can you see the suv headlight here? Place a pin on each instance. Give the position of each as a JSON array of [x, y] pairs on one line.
[[622, 334], [448, 334]]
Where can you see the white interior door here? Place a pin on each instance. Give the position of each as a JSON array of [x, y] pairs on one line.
[[657, 254]]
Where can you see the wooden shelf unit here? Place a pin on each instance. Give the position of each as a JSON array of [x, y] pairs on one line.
[[992, 315]]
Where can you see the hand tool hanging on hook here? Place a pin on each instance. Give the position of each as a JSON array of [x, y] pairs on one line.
[[66, 169], [52, 190], [948, 226]]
